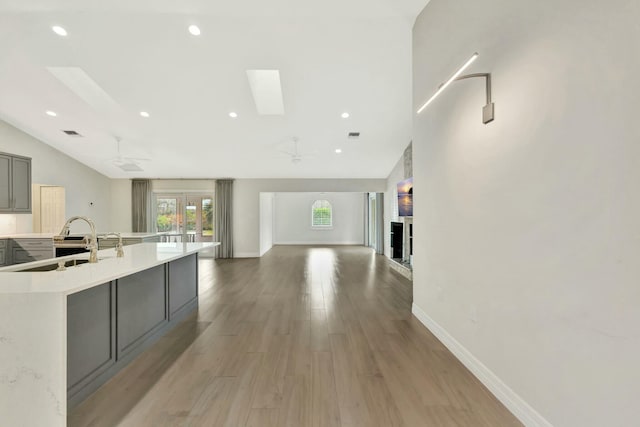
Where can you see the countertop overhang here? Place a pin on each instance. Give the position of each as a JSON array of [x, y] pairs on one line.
[[124, 235], [136, 258]]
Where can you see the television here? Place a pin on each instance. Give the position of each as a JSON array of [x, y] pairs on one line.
[[405, 197]]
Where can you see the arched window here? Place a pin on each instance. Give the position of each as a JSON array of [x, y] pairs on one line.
[[321, 214]]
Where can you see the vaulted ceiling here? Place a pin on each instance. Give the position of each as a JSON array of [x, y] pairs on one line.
[[333, 57]]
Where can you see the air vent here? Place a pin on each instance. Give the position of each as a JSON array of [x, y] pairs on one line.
[[354, 135], [71, 133]]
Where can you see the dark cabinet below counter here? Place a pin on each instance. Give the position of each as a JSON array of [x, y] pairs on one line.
[[18, 251], [4, 252], [111, 324], [27, 250]]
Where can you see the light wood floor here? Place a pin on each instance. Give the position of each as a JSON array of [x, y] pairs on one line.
[[304, 336]]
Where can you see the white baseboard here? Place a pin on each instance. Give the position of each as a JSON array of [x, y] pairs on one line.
[[509, 398], [264, 252], [246, 255]]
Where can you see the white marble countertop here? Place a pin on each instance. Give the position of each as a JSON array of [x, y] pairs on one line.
[[136, 258], [125, 235], [129, 235], [28, 236]]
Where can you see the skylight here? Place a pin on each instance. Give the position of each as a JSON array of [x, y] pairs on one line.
[[267, 92], [84, 86]]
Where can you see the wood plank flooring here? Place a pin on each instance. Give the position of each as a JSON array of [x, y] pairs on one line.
[[304, 336]]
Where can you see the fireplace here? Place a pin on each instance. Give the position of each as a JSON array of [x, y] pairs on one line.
[[402, 241]]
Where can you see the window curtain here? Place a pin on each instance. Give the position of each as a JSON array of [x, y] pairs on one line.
[[224, 218], [380, 223], [140, 205]]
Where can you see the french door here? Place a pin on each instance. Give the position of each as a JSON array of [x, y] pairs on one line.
[[184, 216]]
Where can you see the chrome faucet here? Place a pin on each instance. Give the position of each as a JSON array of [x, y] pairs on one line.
[[92, 245], [119, 245]]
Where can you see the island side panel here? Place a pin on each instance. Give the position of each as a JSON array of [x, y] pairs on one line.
[[90, 338], [183, 285], [33, 368], [141, 307]]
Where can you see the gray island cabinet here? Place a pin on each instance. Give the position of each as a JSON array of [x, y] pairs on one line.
[[110, 324], [64, 333]]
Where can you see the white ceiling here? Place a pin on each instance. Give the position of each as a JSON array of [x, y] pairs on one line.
[[333, 56]]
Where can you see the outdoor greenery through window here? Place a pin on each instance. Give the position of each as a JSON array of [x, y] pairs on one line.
[[187, 215], [207, 217], [166, 215], [321, 214]]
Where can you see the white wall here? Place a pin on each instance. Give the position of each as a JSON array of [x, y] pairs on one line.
[[292, 219], [49, 166], [246, 203], [205, 186], [120, 209], [391, 202], [528, 229], [266, 222], [246, 199]]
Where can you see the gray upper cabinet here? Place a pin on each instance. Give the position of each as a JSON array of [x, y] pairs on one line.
[[15, 184], [5, 182], [21, 180]]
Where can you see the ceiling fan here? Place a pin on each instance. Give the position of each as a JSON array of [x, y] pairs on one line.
[[294, 152], [127, 164]]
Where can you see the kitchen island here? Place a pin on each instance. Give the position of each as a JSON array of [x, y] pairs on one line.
[[63, 333], [27, 247]]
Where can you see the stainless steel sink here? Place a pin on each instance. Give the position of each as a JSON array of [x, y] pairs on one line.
[[54, 266]]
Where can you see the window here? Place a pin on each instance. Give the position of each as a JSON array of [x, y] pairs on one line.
[[185, 216], [321, 214]]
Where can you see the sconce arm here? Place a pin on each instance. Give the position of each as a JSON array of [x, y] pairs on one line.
[[488, 110]]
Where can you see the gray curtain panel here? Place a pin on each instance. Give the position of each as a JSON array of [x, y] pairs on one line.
[[224, 218], [380, 223], [141, 205]]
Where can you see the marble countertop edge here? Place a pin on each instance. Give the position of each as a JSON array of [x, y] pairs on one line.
[[137, 258]]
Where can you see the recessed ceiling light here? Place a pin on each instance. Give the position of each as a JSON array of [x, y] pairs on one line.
[[51, 113], [338, 151], [345, 115], [144, 114], [59, 30], [194, 30], [233, 115]]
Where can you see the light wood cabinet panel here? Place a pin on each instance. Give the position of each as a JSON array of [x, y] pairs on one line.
[[51, 209]]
